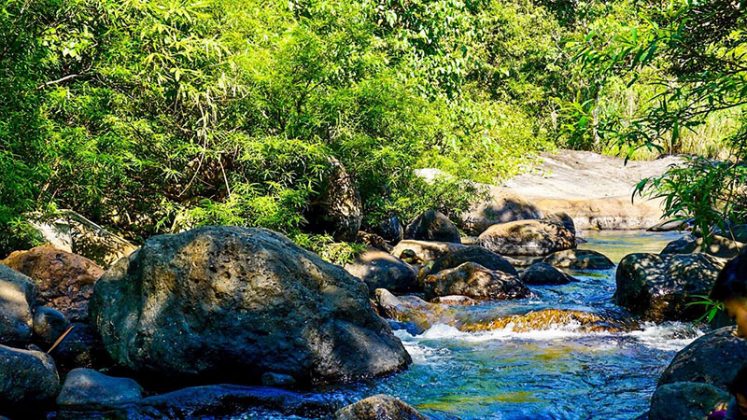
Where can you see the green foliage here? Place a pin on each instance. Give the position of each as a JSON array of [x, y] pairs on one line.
[[710, 308]]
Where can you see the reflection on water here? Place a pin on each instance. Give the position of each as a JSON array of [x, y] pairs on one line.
[[555, 373]]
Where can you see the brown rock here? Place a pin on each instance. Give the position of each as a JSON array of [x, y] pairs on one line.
[[65, 281], [527, 237], [475, 281], [379, 407]]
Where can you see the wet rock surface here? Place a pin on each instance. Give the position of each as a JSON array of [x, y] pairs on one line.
[[474, 281], [379, 407], [543, 273], [228, 303], [685, 400]]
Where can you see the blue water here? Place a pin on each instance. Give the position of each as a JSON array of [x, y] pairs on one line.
[[557, 373]]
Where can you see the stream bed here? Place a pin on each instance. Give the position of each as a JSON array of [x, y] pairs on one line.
[[554, 373]]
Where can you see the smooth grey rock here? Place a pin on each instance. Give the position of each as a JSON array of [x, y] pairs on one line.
[[543, 273], [90, 388], [17, 296], [230, 303]]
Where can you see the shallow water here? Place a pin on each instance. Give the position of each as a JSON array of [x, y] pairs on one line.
[[559, 373]]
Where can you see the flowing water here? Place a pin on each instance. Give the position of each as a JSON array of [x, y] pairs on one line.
[[556, 373]]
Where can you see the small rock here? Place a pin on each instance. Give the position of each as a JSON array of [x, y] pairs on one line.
[[473, 280], [685, 400], [543, 273], [659, 287], [26, 378], [278, 379], [379, 407], [90, 388], [579, 259], [49, 324], [527, 237], [714, 358], [382, 270], [433, 226], [475, 254], [425, 251], [17, 296], [65, 281]]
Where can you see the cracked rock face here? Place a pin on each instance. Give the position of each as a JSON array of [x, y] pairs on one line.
[[230, 303]]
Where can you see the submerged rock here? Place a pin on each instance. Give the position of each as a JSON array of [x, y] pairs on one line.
[[27, 378], [543, 273], [659, 287], [17, 296], [382, 270], [424, 251], [379, 407], [475, 281], [579, 259], [685, 400], [474, 254], [714, 358], [230, 303], [547, 319], [527, 237], [433, 226], [89, 388], [65, 280]]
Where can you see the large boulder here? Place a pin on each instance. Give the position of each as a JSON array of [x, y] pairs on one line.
[[424, 251], [685, 400], [714, 358], [659, 287], [475, 281], [527, 237], [65, 280], [718, 246], [543, 273], [379, 269], [17, 297], [230, 303], [475, 254], [338, 210], [579, 259], [27, 378], [499, 209], [433, 226], [90, 388], [379, 407]]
